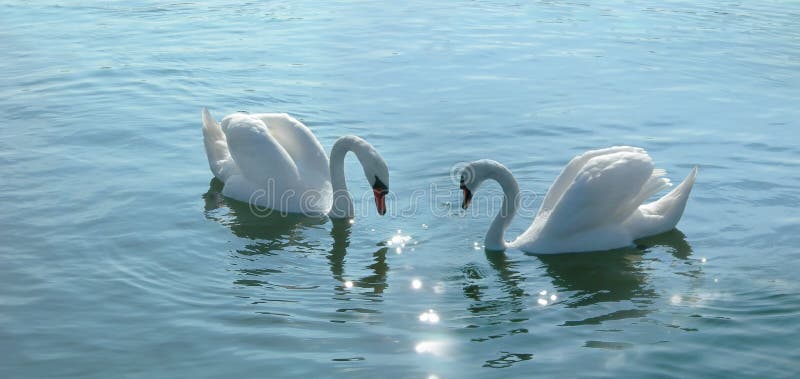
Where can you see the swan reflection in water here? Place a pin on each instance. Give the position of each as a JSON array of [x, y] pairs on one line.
[[612, 276], [505, 303], [271, 233], [341, 241], [586, 278], [485, 299]]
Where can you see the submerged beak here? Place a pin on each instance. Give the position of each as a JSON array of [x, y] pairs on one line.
[[380, 199]]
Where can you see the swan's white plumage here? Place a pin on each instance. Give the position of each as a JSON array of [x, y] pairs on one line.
[[663, 214], [258, 155], [274, 161], [601, 193], [571, 170], [219, 159], [270, 160], [596, 203], [298, 140]]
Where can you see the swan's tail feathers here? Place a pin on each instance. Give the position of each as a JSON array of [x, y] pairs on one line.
[[657, 182], [669, 208], [219, 159]]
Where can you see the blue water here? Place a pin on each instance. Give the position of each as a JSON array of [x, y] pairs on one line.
[[120, 258]]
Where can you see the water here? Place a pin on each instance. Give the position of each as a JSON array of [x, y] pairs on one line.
[[121, 259]]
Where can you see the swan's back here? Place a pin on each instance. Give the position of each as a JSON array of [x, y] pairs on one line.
[[604, 192], [571, 171], [257, 154], [300, 143], [597, 203], [271, 160]]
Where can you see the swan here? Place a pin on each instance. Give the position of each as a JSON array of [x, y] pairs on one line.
[[596, 203], [274, 161]]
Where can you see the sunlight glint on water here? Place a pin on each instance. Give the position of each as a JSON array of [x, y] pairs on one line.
[[121, 257]]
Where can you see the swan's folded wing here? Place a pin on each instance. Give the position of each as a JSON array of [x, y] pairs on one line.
[[301, 144], [603, 193], [571, 170], [258, 156]]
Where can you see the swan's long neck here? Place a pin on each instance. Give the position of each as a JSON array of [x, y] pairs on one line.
[[342, 202], [495, 239]]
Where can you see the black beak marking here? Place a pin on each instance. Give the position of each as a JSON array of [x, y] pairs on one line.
[[467, 195]]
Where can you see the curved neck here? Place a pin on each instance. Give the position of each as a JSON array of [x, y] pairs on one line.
[[495, 236], [342, 202]]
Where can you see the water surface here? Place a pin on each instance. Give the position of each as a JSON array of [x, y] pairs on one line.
[[120, 257]]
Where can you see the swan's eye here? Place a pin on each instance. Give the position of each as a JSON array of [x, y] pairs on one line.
[[463, 185]]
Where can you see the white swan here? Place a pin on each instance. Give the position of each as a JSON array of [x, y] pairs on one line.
[[596, 203], [274, 161]]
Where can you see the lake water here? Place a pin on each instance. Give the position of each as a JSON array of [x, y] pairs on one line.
[[120, 258]]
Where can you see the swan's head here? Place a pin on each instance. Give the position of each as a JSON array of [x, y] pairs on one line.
[[374, 166], [473, 174], [469, 182], [377, 174], [378, 177]]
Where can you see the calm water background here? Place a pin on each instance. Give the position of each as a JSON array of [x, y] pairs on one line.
[[121, 259]]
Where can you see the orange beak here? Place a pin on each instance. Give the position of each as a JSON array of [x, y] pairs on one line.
[[380, 200]]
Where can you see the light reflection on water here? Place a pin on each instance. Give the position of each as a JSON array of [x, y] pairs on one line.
[[436, 348], [429, 316], [105, 222], [399, 241], [501, 297], [271, 234]]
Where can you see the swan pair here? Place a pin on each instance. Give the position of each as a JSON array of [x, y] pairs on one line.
[[596, 203]]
